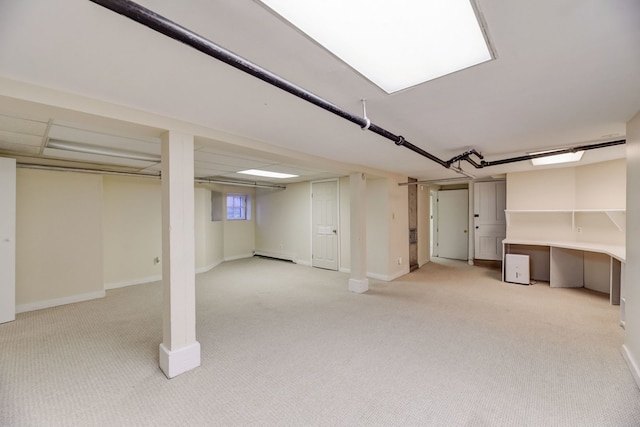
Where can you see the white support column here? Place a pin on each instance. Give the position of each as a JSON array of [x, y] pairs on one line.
[[179, 351], [358, 281], [7, 240]]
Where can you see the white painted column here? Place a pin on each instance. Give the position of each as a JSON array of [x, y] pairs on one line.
[[179, 351], [358, 281], [7, 240]]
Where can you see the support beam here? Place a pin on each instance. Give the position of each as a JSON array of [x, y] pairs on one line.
[[179, 351], [358, 281]]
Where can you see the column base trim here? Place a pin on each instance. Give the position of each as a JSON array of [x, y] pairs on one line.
[[176, 362], [358, 286]]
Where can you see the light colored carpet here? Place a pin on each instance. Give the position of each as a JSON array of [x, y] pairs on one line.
[[282, 344]]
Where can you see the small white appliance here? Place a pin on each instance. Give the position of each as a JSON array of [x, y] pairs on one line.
[[517, 269]]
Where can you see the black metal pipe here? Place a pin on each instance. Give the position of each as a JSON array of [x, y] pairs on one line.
[[553, 153], [177, 32], [465, 156]]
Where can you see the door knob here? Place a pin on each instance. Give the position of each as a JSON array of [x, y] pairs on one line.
[[465, 231]]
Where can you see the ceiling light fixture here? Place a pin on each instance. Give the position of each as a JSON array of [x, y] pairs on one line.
[[268, 174], [103, 151], [395, 44], [553, 159]]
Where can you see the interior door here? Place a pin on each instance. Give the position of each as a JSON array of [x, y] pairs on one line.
[[324, 201], [7, 239], [490, 201], [453, 224]]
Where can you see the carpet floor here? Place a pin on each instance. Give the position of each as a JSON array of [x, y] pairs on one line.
[[283, 344]]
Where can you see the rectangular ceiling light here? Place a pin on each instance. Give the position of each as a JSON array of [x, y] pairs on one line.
[[557, 158], [395, 44], [267, 174], [102, 151]]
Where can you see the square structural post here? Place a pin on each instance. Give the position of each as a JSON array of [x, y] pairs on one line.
[[358, 281], [179, 351]]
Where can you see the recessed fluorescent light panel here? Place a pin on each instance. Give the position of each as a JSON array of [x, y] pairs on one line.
[[395, 44], [267, 174], [557, 158]]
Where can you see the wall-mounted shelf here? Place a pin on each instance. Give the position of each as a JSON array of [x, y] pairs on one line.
[[616, 216]]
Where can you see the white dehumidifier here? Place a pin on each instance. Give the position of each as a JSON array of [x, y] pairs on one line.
[[517, 269]]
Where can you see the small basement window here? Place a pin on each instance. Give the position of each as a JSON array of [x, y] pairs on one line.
[[237, 206]]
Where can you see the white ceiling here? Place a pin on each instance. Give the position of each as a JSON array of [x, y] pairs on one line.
[[567, 73]]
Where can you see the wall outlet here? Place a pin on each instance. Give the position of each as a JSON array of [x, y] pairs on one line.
[[399, 260], [579, 229]]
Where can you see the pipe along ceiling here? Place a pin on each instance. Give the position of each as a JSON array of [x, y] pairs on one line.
[[179, 33]]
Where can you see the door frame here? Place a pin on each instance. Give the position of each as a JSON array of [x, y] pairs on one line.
[[468, 222], [339, 225]]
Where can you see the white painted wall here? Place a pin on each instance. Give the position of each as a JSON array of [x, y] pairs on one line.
[[544, 189], [283, 222], [58, 238], [240, 236], [209, 234], [601, 184], [398, 237], [594, 186], [378, 219], [132, 231], [283, 225], [387, 228], [133, 236], [631, 284], [345, 225]]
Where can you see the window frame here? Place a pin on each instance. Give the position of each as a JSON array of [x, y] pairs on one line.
[[244, 198]]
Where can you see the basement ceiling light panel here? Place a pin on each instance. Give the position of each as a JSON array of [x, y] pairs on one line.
[[396, 44]]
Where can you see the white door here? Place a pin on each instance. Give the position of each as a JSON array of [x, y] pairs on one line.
[[324, 220], [453, 224], [7, 240], [490, 200]]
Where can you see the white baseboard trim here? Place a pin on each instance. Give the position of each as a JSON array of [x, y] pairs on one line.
[[303, 262], [632, 363], [138, 281], [23, 308], [345, 270], [236, 257], [388, 278], [208, 267], [179, 361]]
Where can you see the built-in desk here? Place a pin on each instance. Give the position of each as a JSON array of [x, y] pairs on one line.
[[572, 264]]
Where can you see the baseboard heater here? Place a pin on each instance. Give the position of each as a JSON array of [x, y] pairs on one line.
[[274, 256]]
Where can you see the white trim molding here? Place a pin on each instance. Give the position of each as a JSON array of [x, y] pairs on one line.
[[208, 267], [632, 363], [131, 282], [236, 257], [39, 305], [176, 362]]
